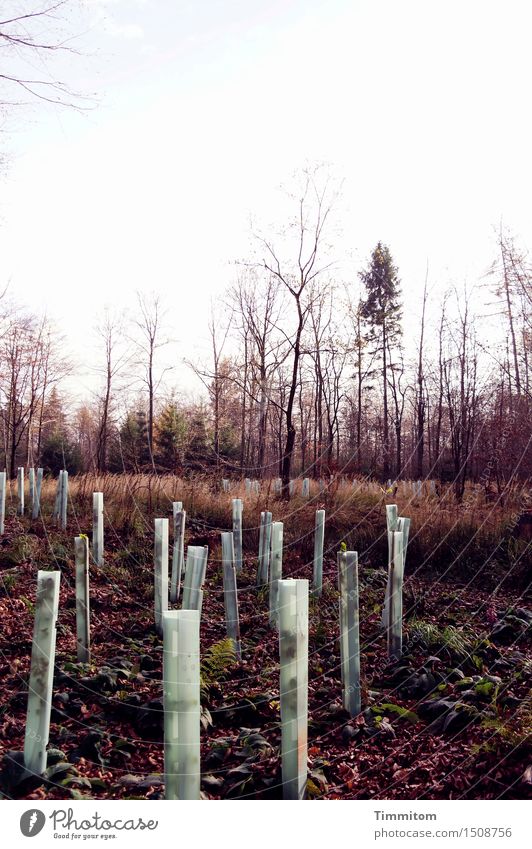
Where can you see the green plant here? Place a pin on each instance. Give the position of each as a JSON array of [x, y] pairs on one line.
[[321, 636], [459, 641], [516, 729], [389, 707], [216, 663], [59, 555], [485, 688], [263, 595], [30, 607], [23, 548], [424, 632], [9, 583]]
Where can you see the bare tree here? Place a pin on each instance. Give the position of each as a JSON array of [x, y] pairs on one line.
[[460, 379], [256, 302], [329, 350], [216, 386], [149, 341], [31, 34], [395, 375], [84, 429], [506, 271], [320, 324], [420, 404], [440, 388], [314, 207], [49, 365], [111, 332], [363, 362], [31, 366]]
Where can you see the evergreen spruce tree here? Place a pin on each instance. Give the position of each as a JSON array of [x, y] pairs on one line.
[[381, 310], [199, 451], [131, 453], [170, 437], [59, 452]]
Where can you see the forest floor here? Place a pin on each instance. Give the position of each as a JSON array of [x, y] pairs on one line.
[[452, 719]]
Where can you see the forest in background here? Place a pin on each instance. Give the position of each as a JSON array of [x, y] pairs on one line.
[[307, 375]]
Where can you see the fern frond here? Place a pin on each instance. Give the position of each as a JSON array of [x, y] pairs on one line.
[[216, 663], [515, 730]]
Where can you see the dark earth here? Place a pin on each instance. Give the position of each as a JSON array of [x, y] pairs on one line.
[[451, 720]]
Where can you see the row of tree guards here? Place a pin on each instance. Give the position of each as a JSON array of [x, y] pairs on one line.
[[254, 487], [35, 479], [180, 632]]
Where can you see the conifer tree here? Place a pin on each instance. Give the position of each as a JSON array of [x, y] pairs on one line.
[[171, 432], [381, 310]]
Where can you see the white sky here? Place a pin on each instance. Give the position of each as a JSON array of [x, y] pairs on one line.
[[205, 107]]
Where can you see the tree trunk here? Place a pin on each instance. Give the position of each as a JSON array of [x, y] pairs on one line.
[[263, 411], [510, 318], [150, 406], [420, 406], [386, 433], [286, 466]]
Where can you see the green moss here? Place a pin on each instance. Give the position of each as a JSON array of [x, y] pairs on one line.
[[389, 707], [484, 688]]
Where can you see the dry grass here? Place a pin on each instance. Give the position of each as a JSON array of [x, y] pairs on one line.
[[446, 537]]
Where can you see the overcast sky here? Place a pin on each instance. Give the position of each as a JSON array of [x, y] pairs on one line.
[[204, 108]]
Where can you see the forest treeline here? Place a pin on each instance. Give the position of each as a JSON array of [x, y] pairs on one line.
[[307, 375]]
